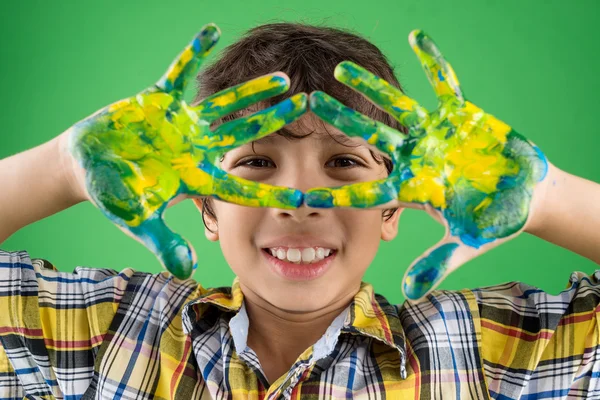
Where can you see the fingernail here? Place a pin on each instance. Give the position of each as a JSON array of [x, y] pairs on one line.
[[295, 198], [178, 261], [319, 198], [207, 38]]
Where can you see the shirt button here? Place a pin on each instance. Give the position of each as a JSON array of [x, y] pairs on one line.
[[574, 278]]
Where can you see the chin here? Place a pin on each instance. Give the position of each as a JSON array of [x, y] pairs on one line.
[[298, 305], [300, 296]]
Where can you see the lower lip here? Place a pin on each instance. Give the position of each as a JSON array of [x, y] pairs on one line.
[[299, 272]]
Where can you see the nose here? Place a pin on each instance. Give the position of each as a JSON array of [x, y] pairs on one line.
[[303, 177], [300, 214]]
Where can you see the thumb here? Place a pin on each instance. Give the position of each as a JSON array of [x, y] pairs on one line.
[[174, 252], [428, 271]]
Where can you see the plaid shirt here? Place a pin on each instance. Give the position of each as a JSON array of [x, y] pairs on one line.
[[98, 333]]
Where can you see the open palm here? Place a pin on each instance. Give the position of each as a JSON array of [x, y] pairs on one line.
[[469, 170], [142, 153]]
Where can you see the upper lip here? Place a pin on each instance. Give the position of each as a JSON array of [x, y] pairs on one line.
[[299, 241]]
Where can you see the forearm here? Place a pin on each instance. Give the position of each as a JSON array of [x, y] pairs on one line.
[[568, 214], [35, 184]]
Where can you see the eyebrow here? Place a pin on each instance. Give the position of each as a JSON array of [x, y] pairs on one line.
[[339, 138]]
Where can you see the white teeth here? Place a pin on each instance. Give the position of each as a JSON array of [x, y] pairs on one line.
[[320, 253], [308, 255], [294, 255], [281, 253]]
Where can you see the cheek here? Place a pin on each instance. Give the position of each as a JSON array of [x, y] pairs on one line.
[[365, 223], [237, 226], [363, 234]]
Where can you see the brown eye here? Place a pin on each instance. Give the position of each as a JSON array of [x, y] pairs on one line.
[[344, 162], [255, 162]]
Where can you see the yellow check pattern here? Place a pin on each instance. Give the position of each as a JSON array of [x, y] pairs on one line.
[[102, 334]]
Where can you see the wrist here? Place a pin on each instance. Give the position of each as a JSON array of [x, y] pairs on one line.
[[565, 211], [543, 200], [73, 175]]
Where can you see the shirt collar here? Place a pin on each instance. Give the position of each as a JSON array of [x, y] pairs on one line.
[[370, 314]]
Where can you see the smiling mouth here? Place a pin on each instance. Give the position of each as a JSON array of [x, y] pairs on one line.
[[285, 258]]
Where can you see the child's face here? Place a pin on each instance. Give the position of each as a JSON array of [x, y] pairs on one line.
[[245, 232]]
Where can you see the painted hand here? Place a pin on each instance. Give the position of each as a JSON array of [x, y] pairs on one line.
[[145, 152], [469, 170]]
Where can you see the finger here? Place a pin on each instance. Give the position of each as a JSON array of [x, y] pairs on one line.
[[246, 129], [173, 251], [360, 195], [355, 124], [208, 180], [184, 67], [243, 95], [438, 70], [428, 271], [387, 97], [240, 191]]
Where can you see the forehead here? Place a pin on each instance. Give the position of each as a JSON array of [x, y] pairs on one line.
[[324, 138]]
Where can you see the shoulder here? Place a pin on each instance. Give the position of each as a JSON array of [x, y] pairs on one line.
[[22, 273], [582, 292]]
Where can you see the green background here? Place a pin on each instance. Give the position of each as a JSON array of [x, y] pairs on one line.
[[534, 64]]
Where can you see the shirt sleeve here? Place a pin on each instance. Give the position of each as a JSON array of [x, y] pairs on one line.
[[538, 345], [52, 324]]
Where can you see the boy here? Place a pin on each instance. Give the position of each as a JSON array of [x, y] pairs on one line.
[[277, 333]]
